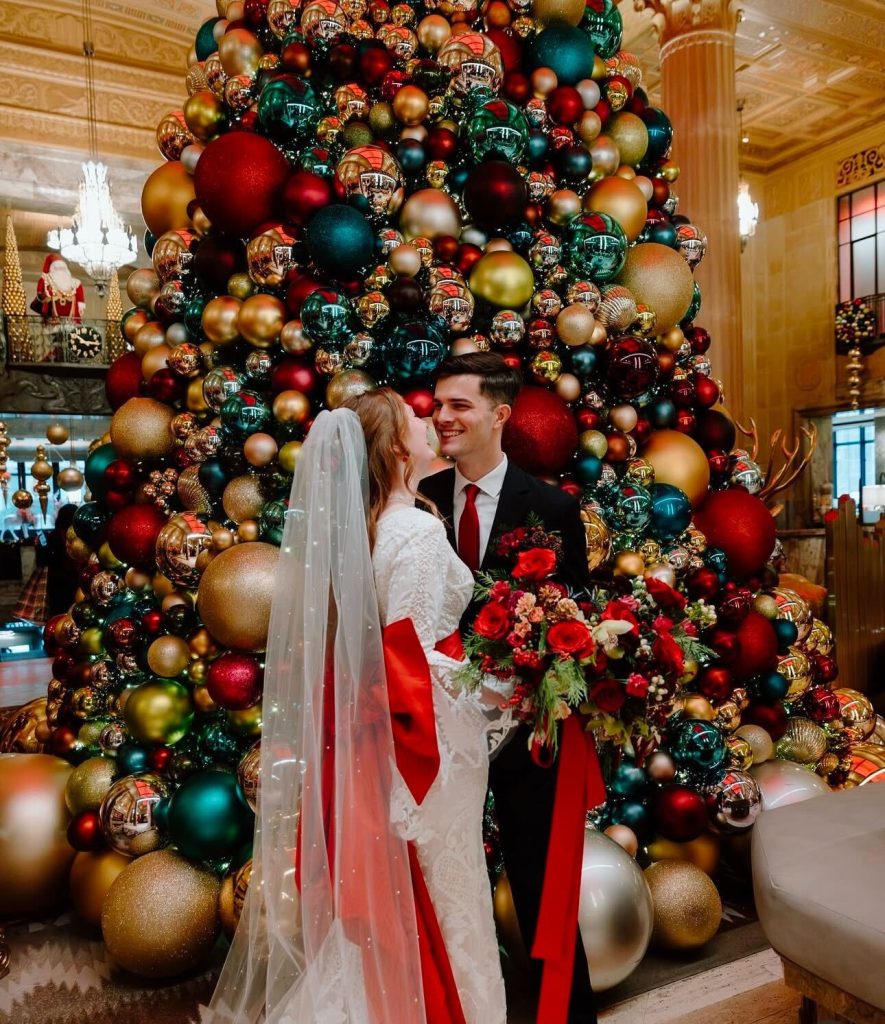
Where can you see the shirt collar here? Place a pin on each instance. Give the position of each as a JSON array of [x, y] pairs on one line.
[[489, 484]]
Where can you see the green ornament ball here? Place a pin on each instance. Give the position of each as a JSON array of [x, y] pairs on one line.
[[246, 413], [205, 42], [288, 108], [208, 817], [497, 129], [566, 50], [96, 463], [595, 247], [340, 240], [604, 25], [697, 746]]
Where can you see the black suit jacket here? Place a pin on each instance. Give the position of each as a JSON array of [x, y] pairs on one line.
[[521, 495]]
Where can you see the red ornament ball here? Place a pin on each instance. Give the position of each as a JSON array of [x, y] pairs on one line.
[[159, 758], [120, 475], [165, 386], [303, 195], [293, 375], [442, 144], [771, 717], [741, 525], [152, 622], [61, 741], [132, 534], [234, 681], [541, 434], [679, 813], [123, 380], [757, 647], [238, 181], [216, 259], [509, 46], [715, 682], [821, 704], [421, 400], [706, 391], [565, 105], [298, 290], [714, 431], [495, 193], [84, 831]]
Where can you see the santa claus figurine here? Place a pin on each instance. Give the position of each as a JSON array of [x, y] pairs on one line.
[[59, 293]]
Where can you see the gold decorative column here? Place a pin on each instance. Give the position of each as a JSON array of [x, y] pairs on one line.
[[698, 95], [15, 302], [114, 344]]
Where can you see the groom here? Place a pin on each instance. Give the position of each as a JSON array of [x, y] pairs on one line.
[[482, 497]]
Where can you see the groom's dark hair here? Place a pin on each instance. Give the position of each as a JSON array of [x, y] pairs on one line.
[[497, 381]]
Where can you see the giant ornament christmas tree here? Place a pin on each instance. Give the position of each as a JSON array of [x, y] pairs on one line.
[[350, 192]]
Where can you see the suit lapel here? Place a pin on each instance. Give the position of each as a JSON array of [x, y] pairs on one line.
[[440, 488], [512, 510]]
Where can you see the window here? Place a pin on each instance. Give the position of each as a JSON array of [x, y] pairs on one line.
[[861, 217], [854, 452]]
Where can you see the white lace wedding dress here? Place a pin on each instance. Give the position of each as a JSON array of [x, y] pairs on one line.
[[418, 576]]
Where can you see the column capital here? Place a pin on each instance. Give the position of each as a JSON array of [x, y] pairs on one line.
[[676, 18]]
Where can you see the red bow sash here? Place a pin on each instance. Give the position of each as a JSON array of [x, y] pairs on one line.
[[579, 788]]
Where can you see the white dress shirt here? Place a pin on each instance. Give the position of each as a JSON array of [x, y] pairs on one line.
[[486, 501]]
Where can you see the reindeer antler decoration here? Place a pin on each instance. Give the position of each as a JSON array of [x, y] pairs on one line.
[[784, 476]]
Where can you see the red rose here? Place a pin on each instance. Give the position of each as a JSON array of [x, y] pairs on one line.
[[637, 685], [619, 612], [608, 695], [500, 591], [493, 622], [571, 637], [668, 655], [534, 564], [664, 595]]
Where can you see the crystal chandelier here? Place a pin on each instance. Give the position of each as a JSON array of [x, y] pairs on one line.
[[97, 240]]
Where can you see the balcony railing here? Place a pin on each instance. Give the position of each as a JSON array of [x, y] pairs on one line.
[[62, 344], [860, 322]]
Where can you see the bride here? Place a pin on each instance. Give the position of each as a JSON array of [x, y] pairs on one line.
[[372, 905]]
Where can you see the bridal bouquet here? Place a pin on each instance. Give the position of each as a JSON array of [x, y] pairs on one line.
[[615, 659]]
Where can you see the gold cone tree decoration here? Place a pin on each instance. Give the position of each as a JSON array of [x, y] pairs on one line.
[[14, 301], [114, 314]]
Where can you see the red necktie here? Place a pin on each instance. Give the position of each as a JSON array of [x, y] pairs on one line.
[[468, 529]]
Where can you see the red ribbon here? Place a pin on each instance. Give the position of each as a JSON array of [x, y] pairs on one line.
[[579, 788]]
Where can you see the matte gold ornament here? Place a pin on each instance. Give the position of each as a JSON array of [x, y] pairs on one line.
[[261, 319], [243, 498], [702, 852], [687, 906], [168, 656], [220, 317], [630, 135], [57, 433], [160, 916], [92, 875], [288, 457], [291, 407], [140, 429], [89, 783], [661, 279], [503, 279], [430, 213], [551, 12], [159, 711], [680, 461], [260, 449], [621, 199], [165, 198], [574, 324], [246, 569], [34, 852], [142, 287], [347, 384]]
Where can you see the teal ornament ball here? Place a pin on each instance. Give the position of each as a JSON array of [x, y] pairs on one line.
[[193, 316], [660, 134], [770, 687], [271, 522], [96, 463], [595, 247], [662, 232], [629, 780], [205, 43], [288, 108], [697, 746], [588, 469], [328, 319], [413, 349], [634, 814], [340, 240], [497, 129], [208, 816], [131, 759], [632, 508], [245, 413], [89, 521], [787, 633], [213, 476], [604, 25], [670, 511], [694, 307], [584, 361], [566, 50]]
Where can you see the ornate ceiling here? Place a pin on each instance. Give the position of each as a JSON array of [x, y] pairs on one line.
[[808, 71]]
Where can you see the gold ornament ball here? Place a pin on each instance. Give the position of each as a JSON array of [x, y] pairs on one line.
[[598, 538], [22, 499], [606, 158], [687, 907], [503, 279], [135, 322], [410, 105], [347, 384], [202, 699], [142, 287], [698, 708], [574, 325], [765, 605], [624, 417], [241, 286], [405, 260], [293, 339], [288, 457], [550, 12], [240, 52], [34, 852], [291, 407], [57, 433], [680, 461], [568, 387], [154, 360], [432, 31], [625, 837], [141, 429], [220, 318], [621, 199], [168, 656], [235, 595], [243, 498], [248, 529], [150, 336], [204, 114], [248, 773], [88, 783], [226, 914], [70, 479], [672, 340], [563, 206], [544, 81], [261, 319], [260, 449], [669, 171], [593, 442], [158, 712], [24, 731], [430, 213], [703, 852], [589, 127], [508, 925], [630, 135], [247, 722], [660, 278], [629, 563], [92, 875], [160, 916], [165, 198]]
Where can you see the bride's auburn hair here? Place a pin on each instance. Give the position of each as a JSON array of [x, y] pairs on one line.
[[382, 415]]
